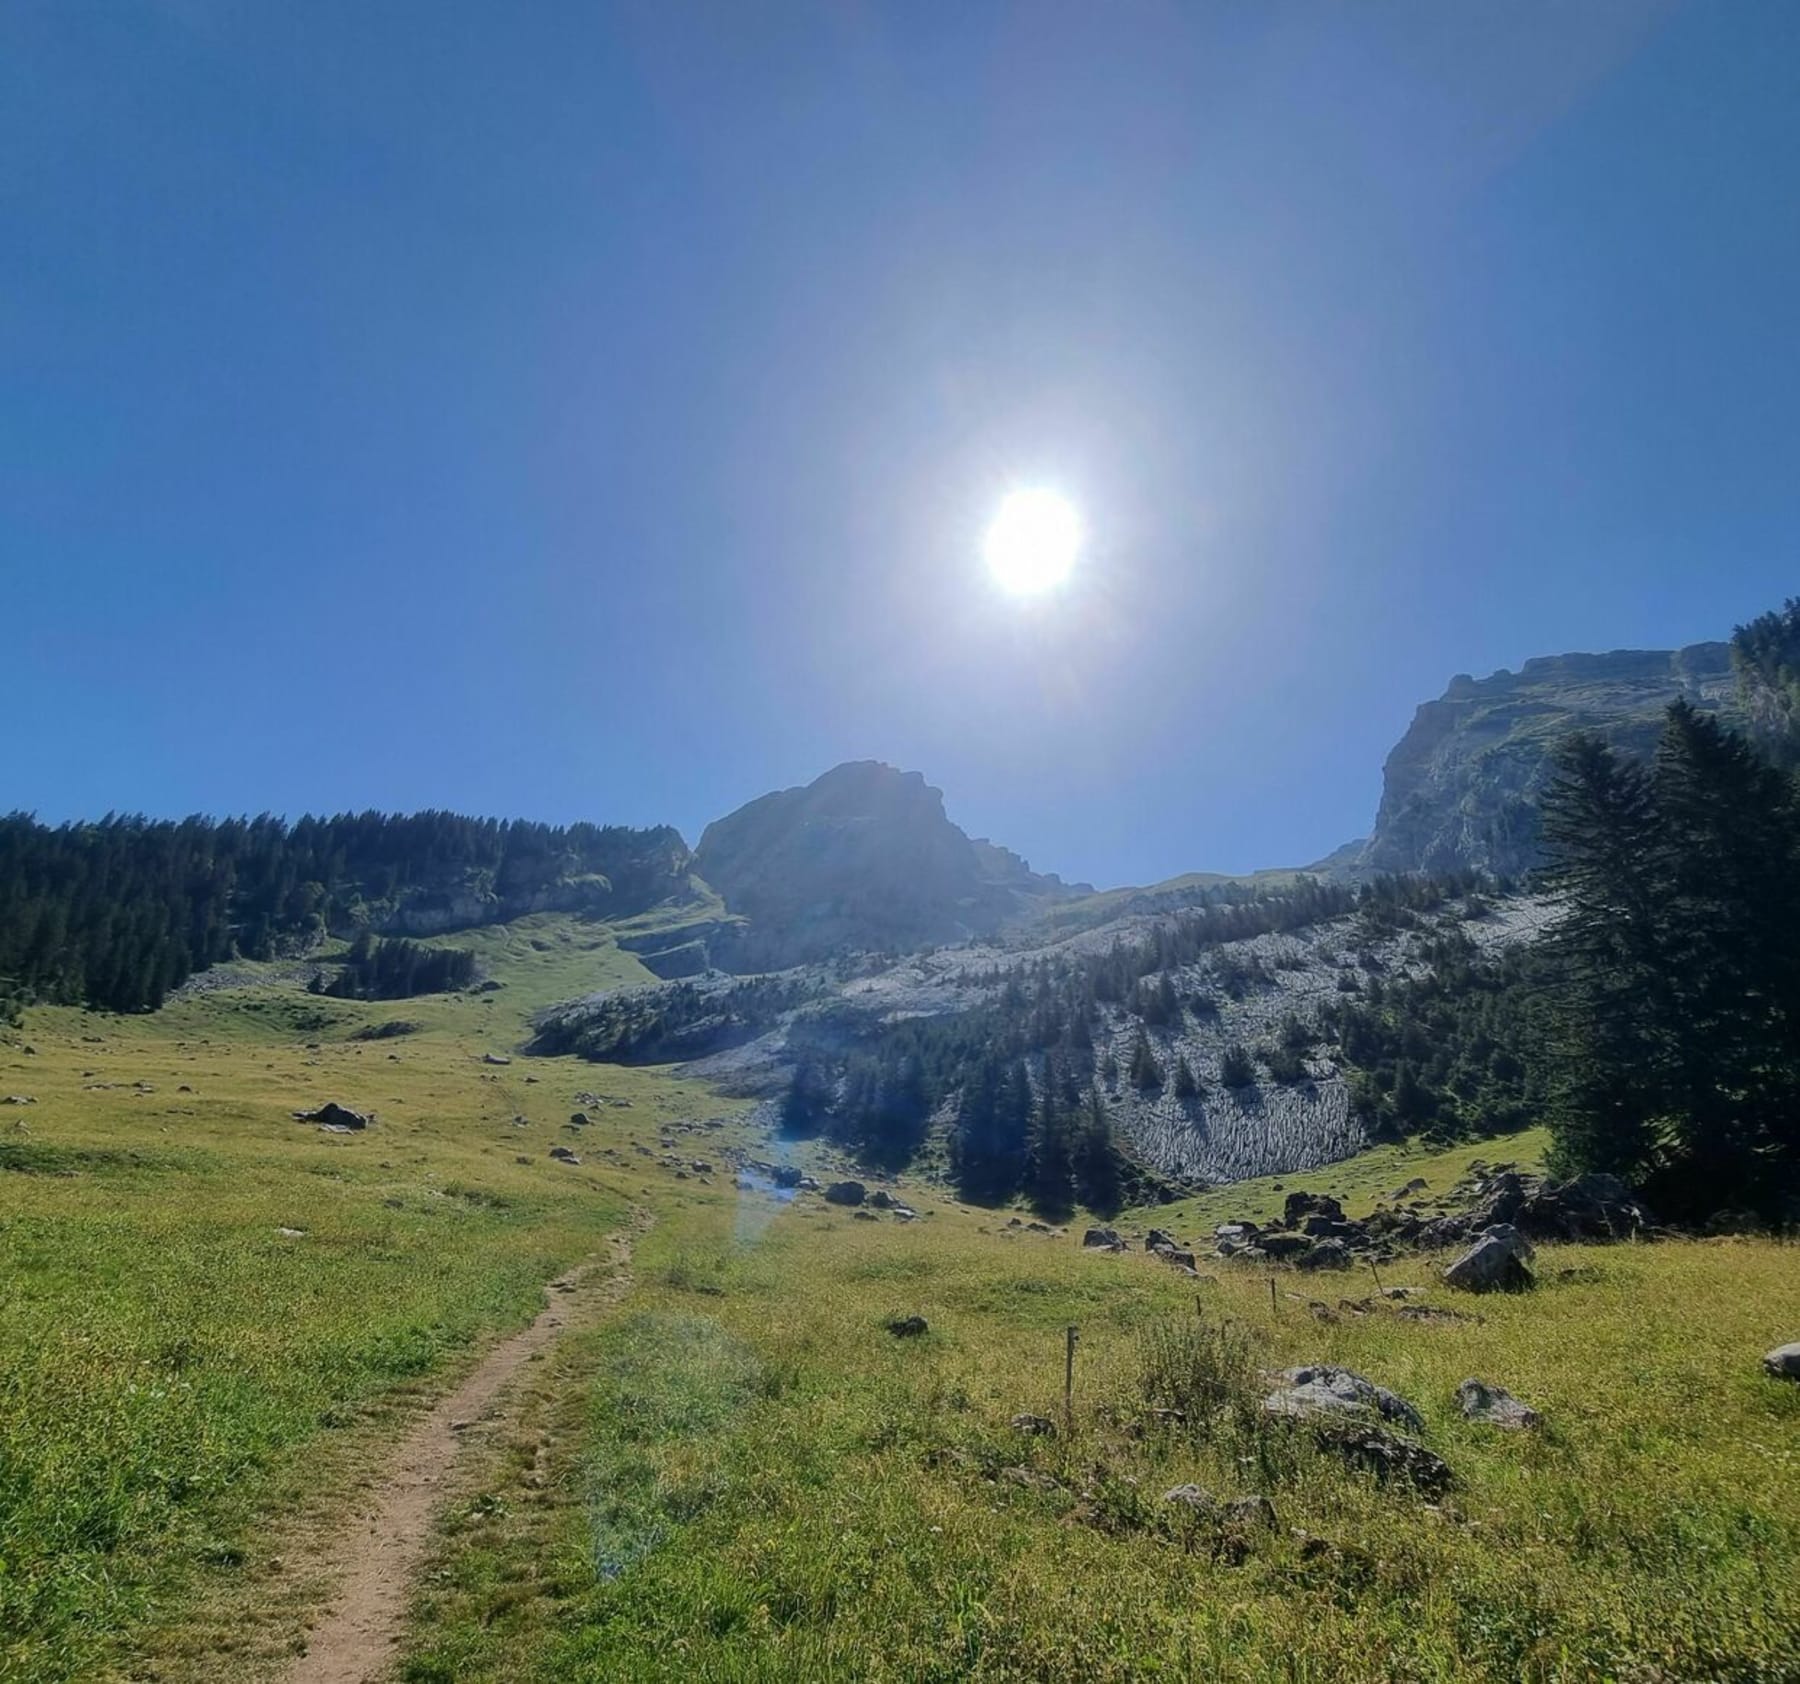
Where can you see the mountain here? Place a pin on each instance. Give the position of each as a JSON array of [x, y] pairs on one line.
[[1461, 788], [862, 857]]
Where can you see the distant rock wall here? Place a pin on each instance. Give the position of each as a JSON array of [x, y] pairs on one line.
[[1462, 787]]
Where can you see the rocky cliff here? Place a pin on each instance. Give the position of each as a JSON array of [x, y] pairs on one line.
[[863, 857], [1461, 788]]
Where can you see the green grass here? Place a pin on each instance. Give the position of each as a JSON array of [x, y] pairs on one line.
[[740, 1474], [169, 1357], [837, 1515]]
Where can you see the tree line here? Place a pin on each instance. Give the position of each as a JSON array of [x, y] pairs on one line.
[[116, 913], [396, 969]]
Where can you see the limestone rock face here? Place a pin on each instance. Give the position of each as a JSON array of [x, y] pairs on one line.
[[1461, 788], [863, 857]]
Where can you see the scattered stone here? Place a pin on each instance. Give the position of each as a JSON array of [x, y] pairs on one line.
[[1497, 1262], [339, 1118], [906, 1327], [563, 1155], [19, 1099], [1102, 1239], [291, 1233], [1195, 1497], [845, 1193], [1159, 1239], [1252, 1511], [1286, 1246], [865, 1216], [1325, 1254], [1385, 1454], [1032, 1479], [495, 1058], [1783, 1362], [1299, 1206], [786, 1176], [1494, 1405], [579, 1120], [1038, 1426], [882, 1199], [1180, 1259], [1324, 1390]]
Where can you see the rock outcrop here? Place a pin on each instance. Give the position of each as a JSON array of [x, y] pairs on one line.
[[864, 858], [1461, 788]]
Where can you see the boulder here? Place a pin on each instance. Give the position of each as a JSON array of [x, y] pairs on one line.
[[785, 1175], [331, 1115], [1494, 1405], [1181, 1259], [1159, 1239], [1102, 1239], [1251, 1511], [1239, 1232], [1326, 1391], [1325, 1254], [1784, 1362], [906, 1327], [882, 1199], [1299, 1206], [1497, 1262], [845, 1193], [1385, 1454], [563, 1155], [579, 1119], [1289, 1246]]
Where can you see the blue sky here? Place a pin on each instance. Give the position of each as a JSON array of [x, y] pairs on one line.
[[594, 410]]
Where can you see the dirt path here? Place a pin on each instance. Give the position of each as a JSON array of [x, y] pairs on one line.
[[358, 1638]]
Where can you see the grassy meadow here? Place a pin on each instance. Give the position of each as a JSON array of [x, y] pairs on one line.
[[216, 1317]]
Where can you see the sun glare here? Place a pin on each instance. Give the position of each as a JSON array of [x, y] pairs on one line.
[[1033, 542]]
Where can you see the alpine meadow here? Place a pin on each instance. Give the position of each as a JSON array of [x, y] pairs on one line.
[[501, 1185]]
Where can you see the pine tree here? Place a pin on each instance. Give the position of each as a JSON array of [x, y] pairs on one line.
[[1144, 1071]]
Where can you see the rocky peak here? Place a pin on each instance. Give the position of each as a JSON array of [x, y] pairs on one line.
[[864, 856], [1461, 788]]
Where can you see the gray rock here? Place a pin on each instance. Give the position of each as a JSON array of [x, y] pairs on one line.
[[1159, 1240], [1384, 1454], [1784, 1362], [495, 1058], [1494, 1405], [845, 1193], [1497, 1262], [1102, 1238], [1288, 1246], [1195, 1497], [563, 1155], [1037, 1426], [1324, 1390], [1251, 1511], [1325, 1254]]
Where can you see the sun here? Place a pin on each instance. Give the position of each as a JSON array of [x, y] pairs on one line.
[[1033, 543]]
